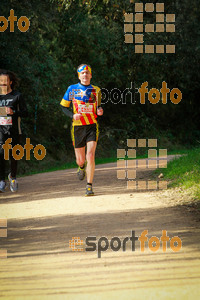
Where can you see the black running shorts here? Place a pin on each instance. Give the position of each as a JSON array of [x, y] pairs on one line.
[[83, 134]]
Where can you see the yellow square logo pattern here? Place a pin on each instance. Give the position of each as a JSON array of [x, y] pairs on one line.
[[164, 23], [128, 165]]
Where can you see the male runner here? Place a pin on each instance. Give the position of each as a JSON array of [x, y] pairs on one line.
[[86, 100], [12, 107]]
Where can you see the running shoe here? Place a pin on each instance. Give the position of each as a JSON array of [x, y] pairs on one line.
[[81, 172], [13, 184], [2, 186], [89, 191]]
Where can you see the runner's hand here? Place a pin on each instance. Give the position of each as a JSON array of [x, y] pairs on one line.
[[100, 111], [77, 117], [9, 111]]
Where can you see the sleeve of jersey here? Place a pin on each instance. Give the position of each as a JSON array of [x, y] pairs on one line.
[[66, 101], [98, 95], [21, 108]]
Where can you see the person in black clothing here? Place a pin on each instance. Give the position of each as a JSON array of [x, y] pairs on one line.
[[12, 108]]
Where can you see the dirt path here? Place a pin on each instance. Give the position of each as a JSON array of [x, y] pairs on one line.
[[50, 209]]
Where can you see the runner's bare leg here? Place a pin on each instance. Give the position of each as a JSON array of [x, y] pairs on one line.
[[80, 156], [91, 147]]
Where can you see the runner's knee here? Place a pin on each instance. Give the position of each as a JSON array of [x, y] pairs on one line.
[[90, 156], [80, 161]]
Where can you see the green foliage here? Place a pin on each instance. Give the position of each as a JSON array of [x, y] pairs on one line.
[[185, 171]]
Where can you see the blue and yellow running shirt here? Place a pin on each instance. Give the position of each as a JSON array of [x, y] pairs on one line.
[[85, 100]]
